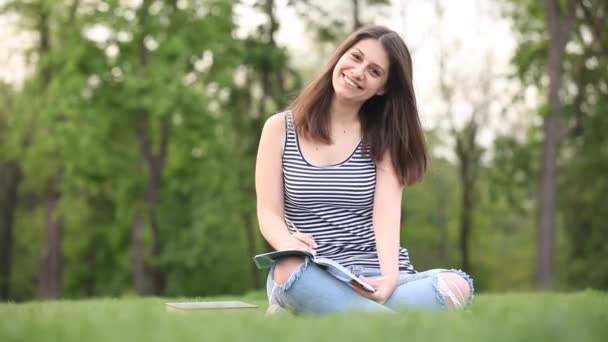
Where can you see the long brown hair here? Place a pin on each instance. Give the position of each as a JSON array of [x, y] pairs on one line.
[[388, 121]]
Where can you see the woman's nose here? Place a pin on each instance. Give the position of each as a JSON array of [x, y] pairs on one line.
[[358, 71]]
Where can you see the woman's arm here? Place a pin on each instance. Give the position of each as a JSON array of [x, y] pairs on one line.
[[386, 218], [269, 188]]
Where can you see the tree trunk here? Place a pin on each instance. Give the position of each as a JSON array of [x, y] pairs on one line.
[[50, 273], [153, 163], [468, 155], [465, 222], [559, 24], [138, 255], [90, 282], [356, 18], [442, 223], [466, 206], [44, 45], [249, 226], [154, 185], [8, 206]]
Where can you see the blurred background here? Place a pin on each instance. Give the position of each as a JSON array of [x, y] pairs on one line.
[[129, 128]]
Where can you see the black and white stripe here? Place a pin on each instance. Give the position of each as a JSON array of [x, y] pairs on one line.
[[333, 203]]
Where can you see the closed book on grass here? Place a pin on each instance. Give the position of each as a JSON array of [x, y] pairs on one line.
[[340, 272], [212, 305]]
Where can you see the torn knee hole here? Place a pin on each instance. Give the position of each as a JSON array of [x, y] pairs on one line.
[[285, 268], [454, 289]]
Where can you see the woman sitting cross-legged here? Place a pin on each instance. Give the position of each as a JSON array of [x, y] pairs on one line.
[[335, 165]]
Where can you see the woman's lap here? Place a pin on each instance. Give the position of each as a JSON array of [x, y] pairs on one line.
[[312, 289], [422, 290]]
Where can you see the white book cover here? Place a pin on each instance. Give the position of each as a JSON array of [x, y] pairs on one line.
[[209, 305]]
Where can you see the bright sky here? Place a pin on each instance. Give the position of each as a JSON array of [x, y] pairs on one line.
[[12, 60]]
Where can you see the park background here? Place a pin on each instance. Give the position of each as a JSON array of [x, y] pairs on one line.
[[129, 128]]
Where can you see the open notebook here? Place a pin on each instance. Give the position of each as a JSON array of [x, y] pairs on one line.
[[340, 272]]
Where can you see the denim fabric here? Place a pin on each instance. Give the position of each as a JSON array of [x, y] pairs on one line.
[[313, 289]]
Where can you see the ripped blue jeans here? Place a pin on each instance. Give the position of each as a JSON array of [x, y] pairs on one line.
[[312, 289]]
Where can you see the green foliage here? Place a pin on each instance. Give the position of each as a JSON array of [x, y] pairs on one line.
[[430, 217], [82, 123]]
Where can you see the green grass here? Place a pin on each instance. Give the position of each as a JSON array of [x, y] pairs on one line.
[[581, 316]]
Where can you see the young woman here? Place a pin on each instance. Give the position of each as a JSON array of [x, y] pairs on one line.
[[334, 167]]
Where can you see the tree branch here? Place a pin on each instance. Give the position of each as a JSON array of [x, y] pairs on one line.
[[141, 131], [165, 133], [72, 12], [595, 25]]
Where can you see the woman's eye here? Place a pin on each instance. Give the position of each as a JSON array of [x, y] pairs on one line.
[[355, 56], [375, 72]]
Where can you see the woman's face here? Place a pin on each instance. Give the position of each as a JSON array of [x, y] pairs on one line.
[[361, 72]]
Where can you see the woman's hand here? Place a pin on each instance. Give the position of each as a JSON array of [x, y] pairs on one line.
[[384, 288], [299, 240]]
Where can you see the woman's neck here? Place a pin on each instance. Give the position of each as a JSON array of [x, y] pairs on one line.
[[344, 114]]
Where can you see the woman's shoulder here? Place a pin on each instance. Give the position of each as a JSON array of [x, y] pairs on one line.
[[276, 123], [275, 127]]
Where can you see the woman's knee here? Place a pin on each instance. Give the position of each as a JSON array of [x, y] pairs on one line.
[[455, 289], [285, 267]]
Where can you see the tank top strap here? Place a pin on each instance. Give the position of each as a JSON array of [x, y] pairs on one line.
[[289, 121]]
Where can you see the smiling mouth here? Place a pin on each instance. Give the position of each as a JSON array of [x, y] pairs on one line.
[[350, 82]]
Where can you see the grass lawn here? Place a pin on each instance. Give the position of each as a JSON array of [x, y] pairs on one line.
[[581, 316]]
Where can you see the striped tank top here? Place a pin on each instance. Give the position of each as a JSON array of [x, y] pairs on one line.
[[334, 204]]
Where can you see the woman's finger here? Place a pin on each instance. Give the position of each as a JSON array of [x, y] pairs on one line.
[[375, 296], [375, 282], [297, 244], [360, 290], [307, 239], [301, 245]]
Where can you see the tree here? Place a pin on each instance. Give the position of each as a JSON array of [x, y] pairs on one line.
[[560, 19], [10, 179], [326, 21], [40, 17], [154, 72], [465, 98], [569, 141], [266, 68]]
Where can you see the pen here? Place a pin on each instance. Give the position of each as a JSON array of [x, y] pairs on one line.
[[293, 226]]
